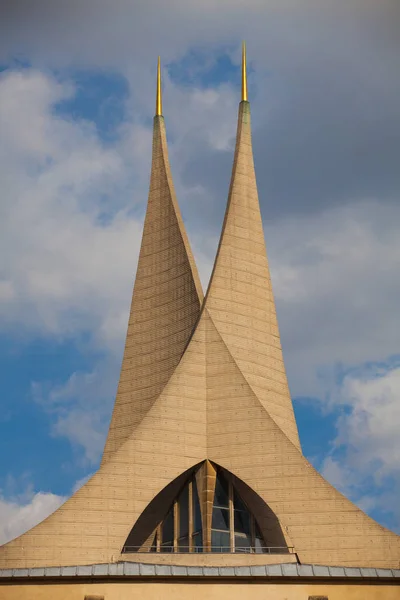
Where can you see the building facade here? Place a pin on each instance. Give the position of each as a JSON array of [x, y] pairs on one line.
[[203, 489]]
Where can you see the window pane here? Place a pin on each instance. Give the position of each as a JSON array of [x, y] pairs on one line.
[[220, 518], [153, 547], [220, 541], [260, 542], [167, 547], [198, 541], [242, 522], [238, 503], [184, 512], [183, 544], [168, 528], [260, 546], [242, 543], [221, 497], [196, 508]]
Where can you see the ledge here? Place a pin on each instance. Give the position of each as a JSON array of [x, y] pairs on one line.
[[207, 559]]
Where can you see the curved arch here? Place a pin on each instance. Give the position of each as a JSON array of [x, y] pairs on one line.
[[155, 513], [207, 509]]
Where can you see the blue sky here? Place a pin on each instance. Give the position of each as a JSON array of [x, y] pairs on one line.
[[74, 160]]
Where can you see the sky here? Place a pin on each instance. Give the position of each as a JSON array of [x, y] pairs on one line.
[[77, 96]]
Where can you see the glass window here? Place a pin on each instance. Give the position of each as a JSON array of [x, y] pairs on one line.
[[184, 512], [168, 528], [242, 543], [220, 518], [196, 509], [171, 529], [198, 541], [238, 503], [220, 541], [230, 517], [242, 522], [153, 547], [259, 542], [183, 544], [221, 497], [259, 546]]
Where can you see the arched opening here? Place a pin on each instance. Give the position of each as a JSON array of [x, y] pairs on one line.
[[181, 530], [234, 527], [207, 509]]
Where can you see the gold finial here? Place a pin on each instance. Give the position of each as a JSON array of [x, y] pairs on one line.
[[244, 73], [159, 94]]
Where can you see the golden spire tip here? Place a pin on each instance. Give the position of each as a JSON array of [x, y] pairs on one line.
[[159, 93], [244, 73]]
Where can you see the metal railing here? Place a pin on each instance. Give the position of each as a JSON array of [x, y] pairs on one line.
[[215, 549]]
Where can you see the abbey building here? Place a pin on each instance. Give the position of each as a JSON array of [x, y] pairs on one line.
[[203, 490]]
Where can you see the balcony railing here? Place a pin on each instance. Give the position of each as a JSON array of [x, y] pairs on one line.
[[215, 549]]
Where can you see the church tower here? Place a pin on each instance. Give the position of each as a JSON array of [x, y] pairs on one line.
[[203, 467]]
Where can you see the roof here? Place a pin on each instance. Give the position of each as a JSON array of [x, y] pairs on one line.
[[129, 569]]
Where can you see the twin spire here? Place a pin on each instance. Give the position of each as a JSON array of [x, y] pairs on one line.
[[159, 90], [203, 382]]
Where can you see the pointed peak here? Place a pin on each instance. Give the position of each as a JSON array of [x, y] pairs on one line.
[[159, 92], [166, 299], [244, 73], [239, 298]]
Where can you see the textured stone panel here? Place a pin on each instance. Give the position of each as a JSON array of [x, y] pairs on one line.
[[165, 303], [241, 276]]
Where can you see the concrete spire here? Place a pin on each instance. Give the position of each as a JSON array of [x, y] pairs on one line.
[[166, 298], [246, 317]]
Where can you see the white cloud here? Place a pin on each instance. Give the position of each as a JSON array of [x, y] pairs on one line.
[[371, 430], [80, 408], [17, 517], [21, 507], [66, 271], [335, 277], [365, 457]]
